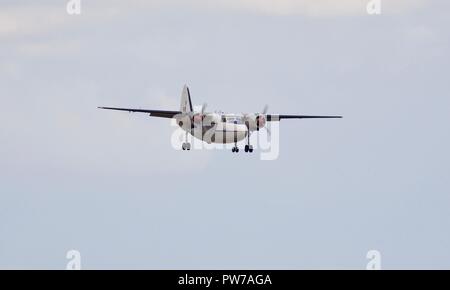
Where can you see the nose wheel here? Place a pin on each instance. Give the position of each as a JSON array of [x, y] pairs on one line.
[[186, 146], [235, 149]]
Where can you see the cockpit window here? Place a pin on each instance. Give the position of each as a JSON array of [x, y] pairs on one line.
[[232, 119]]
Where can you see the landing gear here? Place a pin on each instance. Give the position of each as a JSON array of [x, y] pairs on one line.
[[186, 146], [248, 147], [235, 148]]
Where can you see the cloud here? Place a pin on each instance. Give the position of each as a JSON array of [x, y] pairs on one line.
[[299, 7], [23, 20], [30, 31], [312, 8], [34, 19]]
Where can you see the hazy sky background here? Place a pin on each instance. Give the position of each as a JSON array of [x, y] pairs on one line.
[[110, 185]]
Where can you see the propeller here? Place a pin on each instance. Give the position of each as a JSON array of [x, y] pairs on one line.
[[198, 117], [269, 131], [265, 110], [261, 120]]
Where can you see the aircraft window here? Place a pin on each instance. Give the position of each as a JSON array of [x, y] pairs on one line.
[[231, 119], [234, 120]]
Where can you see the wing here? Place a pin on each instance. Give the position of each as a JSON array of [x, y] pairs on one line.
[[153, 113], [280, 117]]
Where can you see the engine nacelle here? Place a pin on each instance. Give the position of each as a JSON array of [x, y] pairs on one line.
[[255, 122], [260, 121], [211, 119], [197, 119], [184, 121]]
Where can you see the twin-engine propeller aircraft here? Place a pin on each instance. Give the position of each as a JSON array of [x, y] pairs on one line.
[[217, 127]]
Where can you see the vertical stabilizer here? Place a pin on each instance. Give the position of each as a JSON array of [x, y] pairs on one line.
[[186, 103]]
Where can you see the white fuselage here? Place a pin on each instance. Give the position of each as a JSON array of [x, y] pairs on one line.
[[222, 129]]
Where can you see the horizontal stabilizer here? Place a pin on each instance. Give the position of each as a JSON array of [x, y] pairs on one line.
[[153, 113], [280, 117]]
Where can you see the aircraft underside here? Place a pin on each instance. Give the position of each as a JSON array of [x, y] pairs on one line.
[[222, 133]]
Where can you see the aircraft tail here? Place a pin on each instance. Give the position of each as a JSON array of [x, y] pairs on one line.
[[186, 103]]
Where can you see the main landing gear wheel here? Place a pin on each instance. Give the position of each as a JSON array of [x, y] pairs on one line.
[[248, 147], [186, 146]]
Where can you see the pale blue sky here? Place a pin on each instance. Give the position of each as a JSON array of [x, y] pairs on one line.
[[110, 185]]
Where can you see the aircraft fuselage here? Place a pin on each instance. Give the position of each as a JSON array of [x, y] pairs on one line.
[[215, 128]]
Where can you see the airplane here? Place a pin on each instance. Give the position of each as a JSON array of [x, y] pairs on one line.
[[217, 127]]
